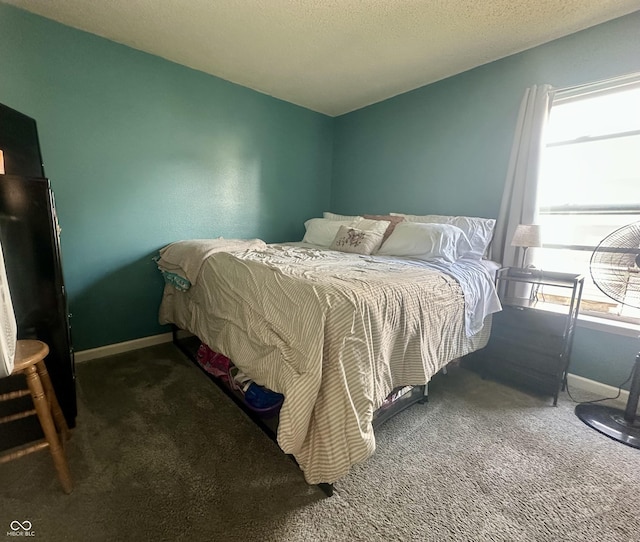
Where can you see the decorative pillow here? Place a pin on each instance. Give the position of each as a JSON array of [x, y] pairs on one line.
[[443, 243], [321, 231], [356, 241], [394, 221], [333, 216], [378, 226], [479, 231]]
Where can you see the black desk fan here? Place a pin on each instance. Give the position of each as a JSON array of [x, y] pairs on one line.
[[615, 269]]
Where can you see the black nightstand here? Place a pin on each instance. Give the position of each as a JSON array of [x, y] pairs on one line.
[[530, 343]]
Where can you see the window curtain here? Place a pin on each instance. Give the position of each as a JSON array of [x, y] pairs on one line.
[[8, 328], [519, 199]]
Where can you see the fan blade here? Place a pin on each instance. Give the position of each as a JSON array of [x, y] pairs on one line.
[[615, 264]]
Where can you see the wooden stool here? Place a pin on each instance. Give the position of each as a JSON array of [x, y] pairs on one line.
[[29, 361]]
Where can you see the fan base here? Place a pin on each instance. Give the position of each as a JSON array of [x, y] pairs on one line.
[[610, 422]]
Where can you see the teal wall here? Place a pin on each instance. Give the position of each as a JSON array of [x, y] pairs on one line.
[[603, 357], [444, 148], [142, 152]]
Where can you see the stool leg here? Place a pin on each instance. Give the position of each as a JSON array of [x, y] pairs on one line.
[[56, 411], [46, 421]]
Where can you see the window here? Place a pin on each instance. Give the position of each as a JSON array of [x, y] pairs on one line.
[[589, 183]]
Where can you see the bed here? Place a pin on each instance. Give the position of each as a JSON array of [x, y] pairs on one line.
[[335, 332]]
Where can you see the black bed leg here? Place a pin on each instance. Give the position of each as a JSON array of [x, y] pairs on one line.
[[327, 489], [425, 394]]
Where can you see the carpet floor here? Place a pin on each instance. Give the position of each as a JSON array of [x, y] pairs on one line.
[[160, 453]]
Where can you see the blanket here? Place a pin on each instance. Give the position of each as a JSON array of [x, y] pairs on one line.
[[335, 333], [185, 258]]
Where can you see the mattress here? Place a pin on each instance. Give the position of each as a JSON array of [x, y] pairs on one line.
[[335, 333]]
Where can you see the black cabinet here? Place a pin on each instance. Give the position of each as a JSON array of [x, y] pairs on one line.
[[29, 235], [530, 343]]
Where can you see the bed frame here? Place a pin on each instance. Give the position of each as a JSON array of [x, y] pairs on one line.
[[409, 395]]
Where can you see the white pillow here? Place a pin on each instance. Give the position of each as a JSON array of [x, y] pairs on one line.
[[479, 231], [333, 216], [350, 239], [321, 231], [443, 243]]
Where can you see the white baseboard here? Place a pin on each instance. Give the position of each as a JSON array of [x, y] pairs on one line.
[[602, 390], [119, 348]]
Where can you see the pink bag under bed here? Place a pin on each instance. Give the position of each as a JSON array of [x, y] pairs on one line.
[[261, 400], [214, 363]]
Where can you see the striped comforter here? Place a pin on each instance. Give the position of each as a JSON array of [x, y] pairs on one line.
[[333, 332]]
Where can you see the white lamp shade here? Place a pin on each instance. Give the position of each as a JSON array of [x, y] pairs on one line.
[[527, 235]]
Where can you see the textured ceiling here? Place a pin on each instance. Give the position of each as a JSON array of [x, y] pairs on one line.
[[332, 56]]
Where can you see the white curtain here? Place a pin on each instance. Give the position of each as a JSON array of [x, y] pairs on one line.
[[8, 328], [519, 199]]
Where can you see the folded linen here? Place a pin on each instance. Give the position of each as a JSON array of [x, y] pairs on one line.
[[185, 258]]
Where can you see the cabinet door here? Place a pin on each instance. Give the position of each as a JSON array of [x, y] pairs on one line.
[[526, 347], [533, 330], [32, 257], [19, 144]]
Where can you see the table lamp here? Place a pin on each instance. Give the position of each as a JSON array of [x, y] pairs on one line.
[[526, 236]]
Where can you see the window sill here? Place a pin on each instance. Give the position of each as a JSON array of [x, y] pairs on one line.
[[615, 327]]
